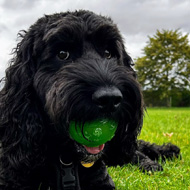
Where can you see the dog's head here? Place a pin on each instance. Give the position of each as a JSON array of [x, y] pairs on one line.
[[70, 67]]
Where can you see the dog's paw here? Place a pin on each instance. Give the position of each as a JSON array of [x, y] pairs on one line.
[[147, 165], [170, 151]]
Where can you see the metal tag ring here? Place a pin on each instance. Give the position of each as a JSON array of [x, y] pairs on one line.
[[65, 164]]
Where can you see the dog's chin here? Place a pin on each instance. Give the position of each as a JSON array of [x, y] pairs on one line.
[[93, 153], [89, 154]]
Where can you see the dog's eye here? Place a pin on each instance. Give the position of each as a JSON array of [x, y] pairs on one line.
[[107, 54], [63, 55]]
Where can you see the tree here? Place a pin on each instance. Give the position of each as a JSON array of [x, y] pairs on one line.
[[164, 69]]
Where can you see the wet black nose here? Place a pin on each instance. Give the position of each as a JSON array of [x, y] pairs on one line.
[[107, 98]]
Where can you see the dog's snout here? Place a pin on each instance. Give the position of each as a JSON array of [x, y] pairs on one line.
[[107, 98]]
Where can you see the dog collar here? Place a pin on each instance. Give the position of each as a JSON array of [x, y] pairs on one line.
[[65, 175]]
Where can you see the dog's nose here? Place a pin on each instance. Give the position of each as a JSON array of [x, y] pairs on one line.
[[107, 98]]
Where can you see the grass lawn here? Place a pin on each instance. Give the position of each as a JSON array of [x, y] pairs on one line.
[[161, 125]]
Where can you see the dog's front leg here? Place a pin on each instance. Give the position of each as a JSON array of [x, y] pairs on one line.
[[95, 177], [154, 151], [145, 163]]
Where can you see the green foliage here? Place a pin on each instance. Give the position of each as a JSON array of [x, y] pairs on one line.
[[179, 98], [164, 70], [160, 126]]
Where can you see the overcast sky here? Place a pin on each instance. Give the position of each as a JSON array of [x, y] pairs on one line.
[[136, 19]]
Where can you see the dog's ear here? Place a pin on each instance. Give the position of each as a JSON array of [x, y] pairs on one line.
[[128, 62], [21, 124]]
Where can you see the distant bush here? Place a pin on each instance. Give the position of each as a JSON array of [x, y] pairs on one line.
[[177, 99]]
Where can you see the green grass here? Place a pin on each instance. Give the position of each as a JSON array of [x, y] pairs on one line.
[[161, 125]]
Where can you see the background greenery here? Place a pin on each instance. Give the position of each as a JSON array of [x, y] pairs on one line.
[[164, 73], [164, 69], [161, 125]]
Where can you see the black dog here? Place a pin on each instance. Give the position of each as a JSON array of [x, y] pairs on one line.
[[69, 67]]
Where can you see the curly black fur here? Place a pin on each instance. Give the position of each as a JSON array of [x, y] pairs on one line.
[[43, 93]]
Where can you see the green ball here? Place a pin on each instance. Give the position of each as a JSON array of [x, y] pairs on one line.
[[93, 133]]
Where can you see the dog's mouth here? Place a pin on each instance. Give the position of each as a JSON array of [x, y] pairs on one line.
[[94, 150], [92, 136]]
